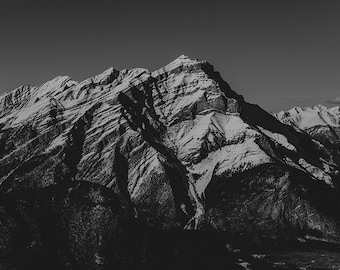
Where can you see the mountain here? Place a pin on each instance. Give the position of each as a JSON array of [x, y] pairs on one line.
[[170, 162], [319, 122]]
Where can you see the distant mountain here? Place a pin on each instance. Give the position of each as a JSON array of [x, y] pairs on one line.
[[134, 168], [319, 122]]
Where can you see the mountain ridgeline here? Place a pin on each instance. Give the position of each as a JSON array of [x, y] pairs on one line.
[[160, 170]]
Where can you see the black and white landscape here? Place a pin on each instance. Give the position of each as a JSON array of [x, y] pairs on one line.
[[170, 169]]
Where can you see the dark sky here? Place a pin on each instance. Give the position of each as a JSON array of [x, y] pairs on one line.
[[276, 53]]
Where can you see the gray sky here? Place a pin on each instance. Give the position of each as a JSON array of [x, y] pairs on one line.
[[278, 54]]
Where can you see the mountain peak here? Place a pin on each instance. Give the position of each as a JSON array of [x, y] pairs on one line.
[[177, 65], [107, 76], [184, 59]]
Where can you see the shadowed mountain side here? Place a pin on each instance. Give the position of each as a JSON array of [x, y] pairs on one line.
[[83, 226]]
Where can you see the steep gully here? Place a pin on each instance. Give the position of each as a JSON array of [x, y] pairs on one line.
[[139, 112]]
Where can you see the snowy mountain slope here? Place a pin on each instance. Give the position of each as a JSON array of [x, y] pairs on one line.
[[178, 146]]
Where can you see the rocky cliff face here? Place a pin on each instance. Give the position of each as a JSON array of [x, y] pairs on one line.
[[176, 148]]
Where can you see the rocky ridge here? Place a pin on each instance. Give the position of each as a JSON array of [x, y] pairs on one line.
[[178, 149]]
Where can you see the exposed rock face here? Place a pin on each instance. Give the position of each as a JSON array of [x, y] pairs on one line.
[[179, 149]]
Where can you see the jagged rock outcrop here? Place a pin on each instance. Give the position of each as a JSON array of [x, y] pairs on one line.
[[179, 149]]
